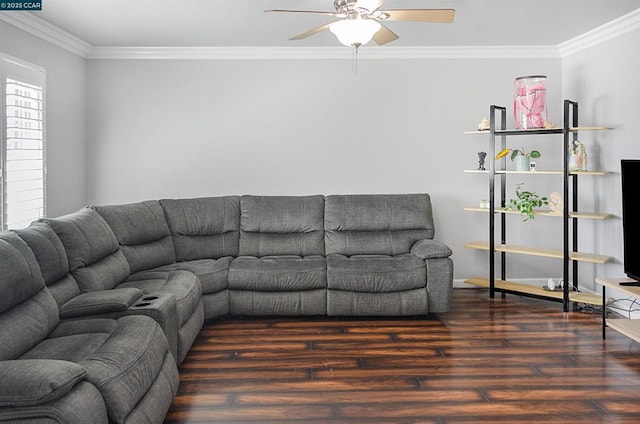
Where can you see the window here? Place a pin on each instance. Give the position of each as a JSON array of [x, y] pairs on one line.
[[22, 153]]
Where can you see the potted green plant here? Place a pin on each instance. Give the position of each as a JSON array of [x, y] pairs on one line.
[[520, 157], [526, 201]]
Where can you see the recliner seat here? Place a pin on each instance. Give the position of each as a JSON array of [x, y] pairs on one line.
[[98, 263], [74, 370], [370, 267], [281, 269]]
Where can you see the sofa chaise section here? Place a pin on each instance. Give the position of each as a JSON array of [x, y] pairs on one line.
[[371, 269], [281, 269], [84, 370]]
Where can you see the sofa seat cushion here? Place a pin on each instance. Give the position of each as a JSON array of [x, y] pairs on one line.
[[73, 340], [375, 273], [182, 285], [212, 273], [278, 273], [123, 358]]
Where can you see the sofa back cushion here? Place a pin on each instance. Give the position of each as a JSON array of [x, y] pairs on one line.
[[52, 259], [281, 225], [28, 312], [204, 228], [95, 258], [376, 224], [142, 232]]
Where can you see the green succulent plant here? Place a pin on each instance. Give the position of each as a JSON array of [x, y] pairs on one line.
[[526, 201], [532, 154], [515, 152]]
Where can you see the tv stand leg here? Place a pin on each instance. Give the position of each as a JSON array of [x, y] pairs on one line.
[[604, 312]]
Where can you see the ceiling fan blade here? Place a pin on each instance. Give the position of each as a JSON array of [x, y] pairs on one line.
[[311, 32], [444, 16], [370, 5], [317, 12], [384, 36]]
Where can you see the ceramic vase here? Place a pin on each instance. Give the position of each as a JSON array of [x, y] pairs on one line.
[[523, 163]]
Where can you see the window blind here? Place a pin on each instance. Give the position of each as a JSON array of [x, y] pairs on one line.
[[23, 147]]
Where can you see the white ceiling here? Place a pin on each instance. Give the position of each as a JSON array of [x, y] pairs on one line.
[[243, 23]]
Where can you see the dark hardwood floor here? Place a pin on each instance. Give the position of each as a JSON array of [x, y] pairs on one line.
[[515, 360]]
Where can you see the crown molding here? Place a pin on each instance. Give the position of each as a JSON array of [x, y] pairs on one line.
[[601, 34], [306, 53], [40, 28]]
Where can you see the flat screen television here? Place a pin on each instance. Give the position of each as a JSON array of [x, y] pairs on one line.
[[630, 170]]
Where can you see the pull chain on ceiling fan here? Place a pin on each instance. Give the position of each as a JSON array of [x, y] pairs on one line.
[[361, 20]]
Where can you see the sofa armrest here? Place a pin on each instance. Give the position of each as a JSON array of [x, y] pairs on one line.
[[30, 382], [100, 302], [430, 249]]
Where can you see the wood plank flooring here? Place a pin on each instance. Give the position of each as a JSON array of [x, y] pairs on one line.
[[512, 360]]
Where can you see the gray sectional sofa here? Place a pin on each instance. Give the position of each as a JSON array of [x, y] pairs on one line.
[[98, 308]]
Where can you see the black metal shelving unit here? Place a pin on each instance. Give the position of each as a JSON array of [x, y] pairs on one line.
[[498, 133]]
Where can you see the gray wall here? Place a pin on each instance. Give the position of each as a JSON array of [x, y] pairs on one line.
[[65, 116], [604, 80], [160, 128]]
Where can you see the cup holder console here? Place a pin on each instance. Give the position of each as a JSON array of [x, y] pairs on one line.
[[145, 300], [149, 298]]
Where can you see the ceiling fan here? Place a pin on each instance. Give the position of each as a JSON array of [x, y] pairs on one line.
[[362, 20]]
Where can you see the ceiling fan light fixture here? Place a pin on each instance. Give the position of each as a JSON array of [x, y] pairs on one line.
[[355, 32]]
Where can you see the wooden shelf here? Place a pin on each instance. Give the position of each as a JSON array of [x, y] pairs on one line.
[[548, 253], [539, 130], [628, 327], [511, 286], [614, 283], [539, 172], [580, 215]]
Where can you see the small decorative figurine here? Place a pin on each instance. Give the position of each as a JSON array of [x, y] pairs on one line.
[[555, 202], [577, 156], [481, 157], [484, 125]]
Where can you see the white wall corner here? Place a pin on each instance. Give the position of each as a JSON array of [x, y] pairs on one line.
[[601, 34], [40, 28]]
